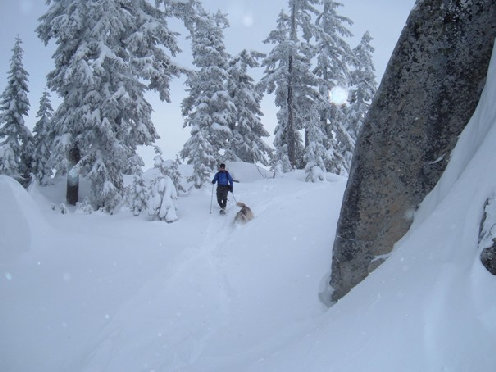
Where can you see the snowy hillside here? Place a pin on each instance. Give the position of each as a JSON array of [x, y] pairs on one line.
[[119, 293], [431, 306]]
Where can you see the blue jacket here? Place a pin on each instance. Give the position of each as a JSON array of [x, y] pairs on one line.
[[223, 178]]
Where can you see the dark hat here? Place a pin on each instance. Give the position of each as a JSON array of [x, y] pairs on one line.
[[222, 166]]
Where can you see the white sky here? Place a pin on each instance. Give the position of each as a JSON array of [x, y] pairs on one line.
[[250, 20]]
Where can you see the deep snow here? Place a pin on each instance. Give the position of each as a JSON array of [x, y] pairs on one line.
[[120, 293]]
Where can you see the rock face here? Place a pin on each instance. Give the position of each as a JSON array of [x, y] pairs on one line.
[[487, 235], [429, 92]]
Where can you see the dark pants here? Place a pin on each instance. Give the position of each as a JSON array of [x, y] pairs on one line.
[[222, 192]]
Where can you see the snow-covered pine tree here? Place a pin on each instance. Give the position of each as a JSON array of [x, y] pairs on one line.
[[161, 203], [248, 130], [315, 151], [186, 10], [44, 137], [109, 53], [332, 53], [363, 85], [288, 75], [171, 168], [138, 194], [208, 109], [341, 152], [15, 137], [275, 81]]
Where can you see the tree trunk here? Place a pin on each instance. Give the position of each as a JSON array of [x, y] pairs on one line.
[[290, 134], [72, 194]]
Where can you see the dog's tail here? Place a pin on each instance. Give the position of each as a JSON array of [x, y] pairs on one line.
[[241, 205]]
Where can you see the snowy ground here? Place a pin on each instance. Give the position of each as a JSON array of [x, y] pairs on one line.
[[118, 293]]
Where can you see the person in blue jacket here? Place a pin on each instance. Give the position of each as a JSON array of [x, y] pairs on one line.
[[224, 185]]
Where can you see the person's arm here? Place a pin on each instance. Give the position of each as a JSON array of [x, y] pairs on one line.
[[231, 182], [216, 178]]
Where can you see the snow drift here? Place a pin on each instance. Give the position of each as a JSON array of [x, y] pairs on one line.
[[18, 219]]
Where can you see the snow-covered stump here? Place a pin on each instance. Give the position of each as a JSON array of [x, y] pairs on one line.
[[161, 204]]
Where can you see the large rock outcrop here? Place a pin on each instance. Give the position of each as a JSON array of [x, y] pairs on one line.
[[487, 235], [429, 92]]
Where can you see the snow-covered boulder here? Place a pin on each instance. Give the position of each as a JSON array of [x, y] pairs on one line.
[[162, 202], [427, 96]]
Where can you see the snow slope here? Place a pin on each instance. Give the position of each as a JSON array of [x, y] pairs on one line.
[[119, 293], [431, 306]]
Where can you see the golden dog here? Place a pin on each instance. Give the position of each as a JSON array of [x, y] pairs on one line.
[[244, 215]]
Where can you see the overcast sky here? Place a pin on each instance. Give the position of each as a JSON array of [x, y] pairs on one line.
[[250, 23]]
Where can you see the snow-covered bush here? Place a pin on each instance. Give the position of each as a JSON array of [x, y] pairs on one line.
[[137, 195], [171, 168], [155, 192], [162, 203], [84, 207], [7, 159], [315, 152], [314, 173], [61, 208], [280, 162]]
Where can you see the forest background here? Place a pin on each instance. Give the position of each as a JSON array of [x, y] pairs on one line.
[[250, 24]]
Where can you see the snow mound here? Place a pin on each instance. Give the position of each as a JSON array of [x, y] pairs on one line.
[[247, 172], [16, 215]]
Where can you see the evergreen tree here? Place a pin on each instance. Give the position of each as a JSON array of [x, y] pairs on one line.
[[288, 75], [315, 152], [109, 53], [363, 85], [15, 137], [44, 137], [349, 119], [275, 81], [171, 168], [248, 130], [340, 153], [138, 194], [332, 53], [163, 194], [189, 11], [208, 109]]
